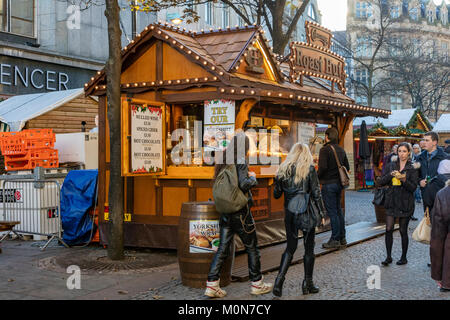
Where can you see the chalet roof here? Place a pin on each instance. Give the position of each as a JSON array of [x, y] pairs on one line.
[[443, 124], [220, 52], [395, 119]]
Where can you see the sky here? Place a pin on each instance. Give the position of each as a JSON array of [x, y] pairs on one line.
[[334, 13]]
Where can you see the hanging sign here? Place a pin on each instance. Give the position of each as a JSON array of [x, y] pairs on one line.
[[314, 57], [146, 139], [219, 123]]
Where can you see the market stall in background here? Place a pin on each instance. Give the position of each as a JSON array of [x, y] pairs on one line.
[[184, 93], [407, 125], [45, 138]]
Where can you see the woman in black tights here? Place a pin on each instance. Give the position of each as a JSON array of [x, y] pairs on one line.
[[401, 176]]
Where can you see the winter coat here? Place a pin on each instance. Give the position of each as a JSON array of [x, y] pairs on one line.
[[328, 170], [308, 185], [433, 187], [440, 238], [399, 200], [429, 167]]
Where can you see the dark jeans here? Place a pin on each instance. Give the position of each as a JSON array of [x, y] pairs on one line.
[[230, 224], [417, 194], [331, 194], [292, 242]]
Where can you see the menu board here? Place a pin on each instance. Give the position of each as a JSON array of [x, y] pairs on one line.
[[146, 139], [219, 123]]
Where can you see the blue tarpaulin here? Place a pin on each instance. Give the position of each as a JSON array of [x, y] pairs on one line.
[[78, 195]]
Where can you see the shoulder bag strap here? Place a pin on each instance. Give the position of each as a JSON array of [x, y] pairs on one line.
[[336, 157]]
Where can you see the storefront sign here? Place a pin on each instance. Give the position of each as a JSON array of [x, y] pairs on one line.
[[24, 76], [219, 123], [315, 59], [204, 236], [306, 131], [146, 139]]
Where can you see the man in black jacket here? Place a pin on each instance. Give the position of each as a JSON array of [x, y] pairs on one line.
[[332, 188], [429, 162]]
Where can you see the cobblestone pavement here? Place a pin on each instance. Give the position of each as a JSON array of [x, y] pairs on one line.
[[341, 275]]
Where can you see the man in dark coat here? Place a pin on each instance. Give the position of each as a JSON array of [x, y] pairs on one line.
[[332, 188], [440, 239], [429, 161], [436, 183]]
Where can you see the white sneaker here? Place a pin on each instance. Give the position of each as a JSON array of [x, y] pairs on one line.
[[259, 287], [213, 290]]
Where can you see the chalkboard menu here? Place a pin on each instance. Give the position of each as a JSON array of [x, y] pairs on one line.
[[146, 139]]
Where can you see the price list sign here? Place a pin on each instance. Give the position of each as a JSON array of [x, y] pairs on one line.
[[146, 139]]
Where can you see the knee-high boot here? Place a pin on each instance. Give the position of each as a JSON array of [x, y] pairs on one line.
[[308, 285], [286, 260]]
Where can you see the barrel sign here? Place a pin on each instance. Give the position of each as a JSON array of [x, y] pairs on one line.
[[204, 236]]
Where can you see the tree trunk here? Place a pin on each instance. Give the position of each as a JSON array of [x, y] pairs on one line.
[[113, 70]]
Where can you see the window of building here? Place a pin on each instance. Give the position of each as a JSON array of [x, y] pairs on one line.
[[311, 12], [395, 12], [444, 17], [361, 99], [430, 16], [209, 13], [363, 9], [361, 76], [444, 50], [414, 14], [396, 100], [225, 17], [17, 17], [363, 47]]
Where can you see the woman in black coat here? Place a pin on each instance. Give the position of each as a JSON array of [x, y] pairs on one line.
[[298, 180], [402, 178]]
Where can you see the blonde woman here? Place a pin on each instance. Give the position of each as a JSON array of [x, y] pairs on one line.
[[304, 210]]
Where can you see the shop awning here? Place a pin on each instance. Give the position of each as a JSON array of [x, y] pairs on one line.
[[443, 124], [17, 110]]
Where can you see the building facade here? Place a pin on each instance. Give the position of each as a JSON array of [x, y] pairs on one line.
[[420, 22], [217, 15], [51, 45]]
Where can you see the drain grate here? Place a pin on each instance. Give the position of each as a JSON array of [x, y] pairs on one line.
[[98, 261]]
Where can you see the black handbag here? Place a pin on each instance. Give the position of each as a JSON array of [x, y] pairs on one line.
[[378, 198]]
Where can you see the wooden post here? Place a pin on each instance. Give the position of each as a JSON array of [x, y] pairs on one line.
[[244, 111]]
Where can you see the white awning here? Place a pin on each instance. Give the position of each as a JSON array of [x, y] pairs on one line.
[[443, 124], [396, 118], [17, 110]]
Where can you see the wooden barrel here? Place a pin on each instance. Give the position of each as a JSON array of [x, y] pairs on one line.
[[198, 238]]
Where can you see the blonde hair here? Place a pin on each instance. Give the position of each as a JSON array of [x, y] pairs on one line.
[[299, 157]]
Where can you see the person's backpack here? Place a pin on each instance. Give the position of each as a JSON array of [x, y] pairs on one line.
[[228, 197]]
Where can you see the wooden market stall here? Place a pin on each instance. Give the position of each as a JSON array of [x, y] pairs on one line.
[[208, 82], [406, 125]]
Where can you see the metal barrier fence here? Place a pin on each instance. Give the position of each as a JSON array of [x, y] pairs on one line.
[[36, 205]]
